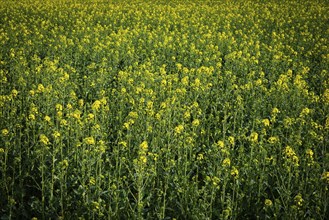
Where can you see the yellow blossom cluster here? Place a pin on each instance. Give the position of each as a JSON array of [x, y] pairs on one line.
[[291, 156]]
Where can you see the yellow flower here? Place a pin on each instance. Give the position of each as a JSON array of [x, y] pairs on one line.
[[268, 203], [43, 139], [102, 92], [144, 146], [200, 157], [305, 112], [163, 105], [231, 140], [179, 66], [59, 107], [226, 162], [288, 122], [187, 115], [76, 114], [143, 159], [69, 106], [126, 125], [133, 115], [273, 140], [226, 213], [34, 110], [102, 146], [295, 160], [81, 102], [73, 95], [266, 122], [149, 105], [89, 140], [195, 123], [234, 172], [179, 129], [95, 206], [4, 132], [63, 122], [31, 92], [65, 164], [31, 117], [289, 151], [258, 82], [123, 143], [103, 101], [275, 111], [220, 144], [92, 181], [185, 81], [197, 83], [47, 118], [14, 93], [65, 77], [56, 134], [90, 116], [96, 105], [254, 137], [41, 88], [299, 200], [291, 156], [215, 181], [164, 83]]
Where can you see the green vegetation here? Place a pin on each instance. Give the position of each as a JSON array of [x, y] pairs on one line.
[[164, 110]]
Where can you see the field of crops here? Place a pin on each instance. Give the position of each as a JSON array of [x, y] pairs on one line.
[[117, 109]]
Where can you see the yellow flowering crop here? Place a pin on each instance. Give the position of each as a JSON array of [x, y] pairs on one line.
[[268, 203], [266, 122], [196, 122], [89, 140], [299, 200], [47, 118], [59, 107], [254, 137], [40, 88], [231, 140], [153, 109], [144, 146], [179, 129], [4, 132], [220, 144], [56, 134], [96, 105], [226, 162], [14, 93], [273, 140], [234, 172], [43, 139], [291, 156]]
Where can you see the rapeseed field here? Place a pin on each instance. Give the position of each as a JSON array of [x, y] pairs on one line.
[[117, 109]]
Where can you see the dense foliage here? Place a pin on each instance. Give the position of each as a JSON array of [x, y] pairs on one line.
[[164, 109]]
